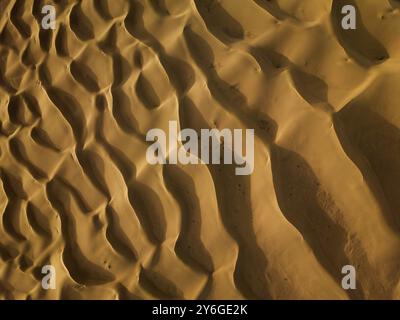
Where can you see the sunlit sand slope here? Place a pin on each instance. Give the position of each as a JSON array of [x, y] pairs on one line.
[[76, 190]]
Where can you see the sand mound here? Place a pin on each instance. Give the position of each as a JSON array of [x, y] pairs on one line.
[[77, 193]]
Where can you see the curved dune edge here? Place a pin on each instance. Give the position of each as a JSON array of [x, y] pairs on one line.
[[76, 191]]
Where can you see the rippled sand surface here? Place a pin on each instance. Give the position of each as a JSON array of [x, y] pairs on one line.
[[76, 191]]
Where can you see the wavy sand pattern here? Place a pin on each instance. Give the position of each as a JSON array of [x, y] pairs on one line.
[[77, 192]]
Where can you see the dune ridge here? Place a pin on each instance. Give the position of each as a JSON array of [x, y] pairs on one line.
[[76, 191]]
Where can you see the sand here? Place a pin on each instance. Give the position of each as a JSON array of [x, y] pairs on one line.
[[77, 193]]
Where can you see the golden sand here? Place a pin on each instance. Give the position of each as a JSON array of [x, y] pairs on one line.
[[77, 193]]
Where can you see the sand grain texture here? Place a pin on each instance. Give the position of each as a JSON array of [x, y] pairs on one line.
[[77, 192]]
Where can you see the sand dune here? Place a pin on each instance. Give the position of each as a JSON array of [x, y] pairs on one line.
[[76, 190]]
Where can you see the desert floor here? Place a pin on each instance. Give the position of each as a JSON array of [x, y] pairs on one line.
[[77, 193]]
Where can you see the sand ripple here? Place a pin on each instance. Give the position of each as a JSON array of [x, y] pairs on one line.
[[76, 191]]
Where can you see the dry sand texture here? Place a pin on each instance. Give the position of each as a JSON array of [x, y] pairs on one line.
[[77, 193]]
